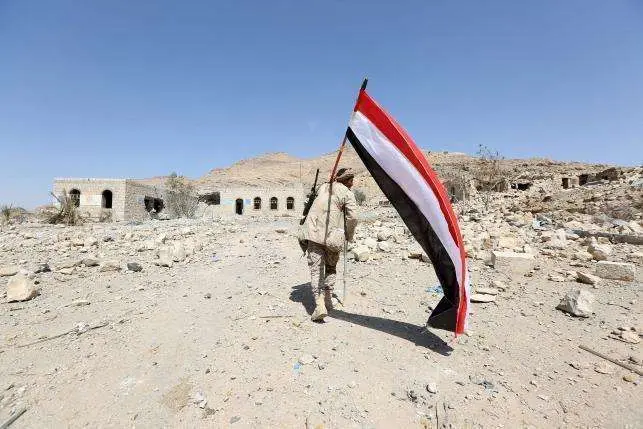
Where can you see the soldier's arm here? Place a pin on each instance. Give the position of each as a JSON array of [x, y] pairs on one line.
[[350, 209]]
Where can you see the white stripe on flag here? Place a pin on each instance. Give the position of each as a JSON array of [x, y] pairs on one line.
[[400, 169]]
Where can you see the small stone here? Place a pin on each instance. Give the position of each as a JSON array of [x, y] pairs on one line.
[[42, 268], [588, 279], [577, 303], [280, 230], [235, 419], [9, 270], [603, 369], [432, 388], [306, 359], [630, 337], [110, 265], [631, 378], [384, 246], [499, 285], [486, 291], [90, 262], [362, 253], [134, 266], [80, 303], [20, 288], [478, 297], [207, 295]]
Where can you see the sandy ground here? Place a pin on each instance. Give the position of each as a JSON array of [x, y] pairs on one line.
[[216, 342]]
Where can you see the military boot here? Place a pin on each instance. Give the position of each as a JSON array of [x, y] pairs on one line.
[[320, 309], [328, 299]]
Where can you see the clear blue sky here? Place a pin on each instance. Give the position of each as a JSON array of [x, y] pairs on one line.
[[121, 88]]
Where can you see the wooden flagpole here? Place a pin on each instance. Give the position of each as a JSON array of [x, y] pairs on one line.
[[343, 144]]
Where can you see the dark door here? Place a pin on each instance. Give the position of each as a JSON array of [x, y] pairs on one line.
[[239, 206]]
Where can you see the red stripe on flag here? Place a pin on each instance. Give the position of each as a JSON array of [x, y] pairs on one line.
[[400, 138]]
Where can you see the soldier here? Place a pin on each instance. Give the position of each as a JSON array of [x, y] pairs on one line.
[[331, 220]]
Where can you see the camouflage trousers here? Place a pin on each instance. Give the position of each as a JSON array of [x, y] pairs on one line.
[[323, 267]]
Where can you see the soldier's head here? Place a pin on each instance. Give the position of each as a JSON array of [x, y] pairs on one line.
[[345, 177]]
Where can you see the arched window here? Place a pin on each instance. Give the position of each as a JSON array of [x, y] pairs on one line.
[[273, 203], [256, 203], [74, 195], [290, 203], [107, 199]]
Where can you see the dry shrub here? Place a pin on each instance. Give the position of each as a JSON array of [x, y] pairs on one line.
[[181, 196], [488, 170], [66, 212], [6, 212], [360, 196]]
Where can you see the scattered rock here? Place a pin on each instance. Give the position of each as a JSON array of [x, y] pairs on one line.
[[110, 265], [518, 263], [478, 297], [432, 388], [20, 288], [630, 337], [487, 291], [281, 230], [600, 252], [630, 377], [134, 266], [362, 253], [90, 262], [9, 270], [588, 279], [615, 270], [42, 268], [384, 246], [577, 303], [306, 359]]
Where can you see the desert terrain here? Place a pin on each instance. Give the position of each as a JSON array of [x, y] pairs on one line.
[[205, 323]]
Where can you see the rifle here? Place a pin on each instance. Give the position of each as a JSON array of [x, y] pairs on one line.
[[311, 197]]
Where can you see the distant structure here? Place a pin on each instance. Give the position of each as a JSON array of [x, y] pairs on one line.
[[130, 200], [115, 199], [248, 201]]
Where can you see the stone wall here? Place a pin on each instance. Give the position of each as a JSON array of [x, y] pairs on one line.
[[135, 194], [228, 201], [91, 196]]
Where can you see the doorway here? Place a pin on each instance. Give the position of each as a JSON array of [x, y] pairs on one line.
[[238, 206]]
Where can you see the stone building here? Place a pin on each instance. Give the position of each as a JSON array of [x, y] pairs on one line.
[[115, 199], [248, 201]]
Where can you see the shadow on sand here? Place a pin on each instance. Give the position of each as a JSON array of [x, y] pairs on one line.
[[418, 335]]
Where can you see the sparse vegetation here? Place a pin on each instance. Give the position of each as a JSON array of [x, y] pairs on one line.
[[181, 199], [488, 171], [66, 212], [6, 211], [360, 197]]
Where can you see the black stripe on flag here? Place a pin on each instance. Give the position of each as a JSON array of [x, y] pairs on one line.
[[444, 316]]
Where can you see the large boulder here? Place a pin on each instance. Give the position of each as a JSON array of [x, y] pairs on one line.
[[577, 303], [20, 288], [615, 270], [518, 263]]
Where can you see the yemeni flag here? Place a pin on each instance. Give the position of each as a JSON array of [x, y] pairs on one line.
[[403, 173]]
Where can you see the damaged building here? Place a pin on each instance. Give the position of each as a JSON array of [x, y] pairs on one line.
[[115, 199]]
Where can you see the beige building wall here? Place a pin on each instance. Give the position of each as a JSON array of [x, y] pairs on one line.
[[91, 195], [135, 194], [231, 199]]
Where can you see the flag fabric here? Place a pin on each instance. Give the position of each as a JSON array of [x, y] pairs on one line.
[[403, 173]]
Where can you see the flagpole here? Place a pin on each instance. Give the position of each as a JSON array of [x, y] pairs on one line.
[[343, 144]]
